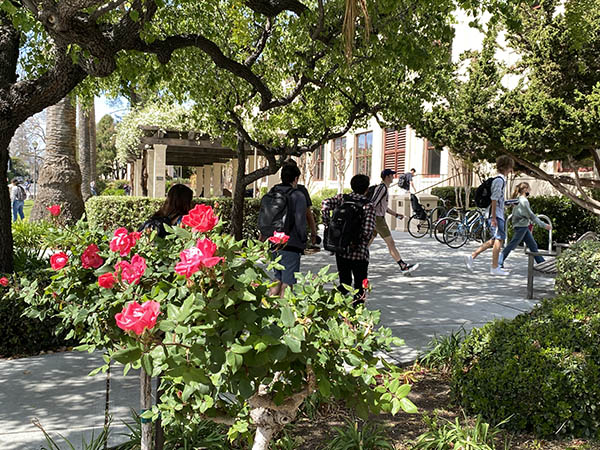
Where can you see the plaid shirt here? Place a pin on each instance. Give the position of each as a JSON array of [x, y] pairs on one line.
[[360, 251]]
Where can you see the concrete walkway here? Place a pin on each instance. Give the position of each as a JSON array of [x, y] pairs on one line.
[[440, 297]]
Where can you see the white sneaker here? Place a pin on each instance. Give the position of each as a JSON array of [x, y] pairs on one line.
[[469, 262], [499, 272]]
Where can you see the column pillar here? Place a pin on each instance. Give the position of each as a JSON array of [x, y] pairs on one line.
[[137, 177], [199, 181], [218, 179], [160, 166], [207, 169], [234, 171], [150, 169]]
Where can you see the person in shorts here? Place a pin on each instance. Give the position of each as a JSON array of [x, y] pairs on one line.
[[294, 248], [504, 165], [380, 202]]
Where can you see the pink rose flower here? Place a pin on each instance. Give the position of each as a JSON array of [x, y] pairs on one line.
[[90, 258], [201, 218], [279, 237], [107, 280], [191, 259], [138, 317], [54, 210], [123, 241], [365, 283], [59, 260], [4, 281], [131, 272]]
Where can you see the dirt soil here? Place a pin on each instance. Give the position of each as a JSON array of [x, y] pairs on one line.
[[431, 394]]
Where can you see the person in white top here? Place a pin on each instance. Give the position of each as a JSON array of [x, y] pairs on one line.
[[380, 200], [504, 165]]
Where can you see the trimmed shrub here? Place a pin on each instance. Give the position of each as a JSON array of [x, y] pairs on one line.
[[542, 368], [449, 194], [130, 212], [569, 220], [114, 187], [578, 268]]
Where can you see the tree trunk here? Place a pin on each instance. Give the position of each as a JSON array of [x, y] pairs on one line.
[[237, 210], [146, 404], [6, 243], [85, 160], [93, 143], [60, 178]]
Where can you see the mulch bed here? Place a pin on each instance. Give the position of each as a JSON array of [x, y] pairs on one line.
[[431, 394]]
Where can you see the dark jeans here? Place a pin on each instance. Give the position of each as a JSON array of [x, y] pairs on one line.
[[520, 234], [352, 268]]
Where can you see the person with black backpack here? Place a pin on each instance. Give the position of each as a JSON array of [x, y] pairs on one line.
[[490, 194], [380, 200], [405, 181], [283, 209], [177, 204], [349, 225]]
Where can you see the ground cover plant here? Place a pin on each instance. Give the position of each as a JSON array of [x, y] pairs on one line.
[[194, 308], [579, 268]]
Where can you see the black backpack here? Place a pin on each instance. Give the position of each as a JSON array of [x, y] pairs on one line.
[[345, 226], [274, 211], [483, 194], [403, 182]]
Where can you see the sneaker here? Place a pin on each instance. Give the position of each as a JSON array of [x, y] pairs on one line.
[[409, 268], [499, 272], [469, 262]]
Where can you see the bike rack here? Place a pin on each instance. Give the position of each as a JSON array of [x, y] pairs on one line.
[[544, 218]]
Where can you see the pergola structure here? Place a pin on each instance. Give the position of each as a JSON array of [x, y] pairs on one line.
[[162, 148]]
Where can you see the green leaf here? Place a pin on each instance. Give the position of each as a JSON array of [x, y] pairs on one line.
[[287, 316], [147, 364], [134, 15], [245, 388], [324, 387], [408, 406], [187, 391], [240, 349], [127, 355], [403, 390], [294, 344]]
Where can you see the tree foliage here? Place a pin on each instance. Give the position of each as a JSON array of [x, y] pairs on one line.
[[552, 112]]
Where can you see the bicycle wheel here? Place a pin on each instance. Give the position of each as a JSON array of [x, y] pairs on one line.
[[456, 234], [439, 227], [418, 227]]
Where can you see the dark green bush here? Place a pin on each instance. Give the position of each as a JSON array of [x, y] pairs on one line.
[[113, 187], [542, 368], [449, 194], [21, 335], [578, 268], [130, 212], [569, 220]]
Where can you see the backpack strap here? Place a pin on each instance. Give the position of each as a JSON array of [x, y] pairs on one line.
[[376, 195]]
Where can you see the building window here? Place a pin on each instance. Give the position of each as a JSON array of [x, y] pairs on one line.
[[394, 149], [338, 156], [432, 159], [319, 163], [364, 151]]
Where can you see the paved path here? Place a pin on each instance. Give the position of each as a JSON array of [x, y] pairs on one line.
[[441, 296]]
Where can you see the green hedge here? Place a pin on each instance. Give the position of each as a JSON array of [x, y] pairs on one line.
[[568, 219], [449, 194], [130, 212], [542, 368], [579, 268]]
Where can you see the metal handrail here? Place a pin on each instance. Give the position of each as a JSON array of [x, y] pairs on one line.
[[541, 216]]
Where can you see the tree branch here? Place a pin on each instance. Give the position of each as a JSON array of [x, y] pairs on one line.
[[575, 170], [104, 9], [264, 37], [271, 8]]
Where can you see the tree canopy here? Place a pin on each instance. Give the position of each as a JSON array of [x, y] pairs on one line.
[[551, 114]]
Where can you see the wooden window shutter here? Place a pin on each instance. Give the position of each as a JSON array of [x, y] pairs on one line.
[[394, 149]]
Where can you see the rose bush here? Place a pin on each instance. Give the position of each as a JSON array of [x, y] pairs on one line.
[[194, 308]]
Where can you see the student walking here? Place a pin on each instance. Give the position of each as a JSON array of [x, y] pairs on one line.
[[285, 205], [405, 181], [17, 199], [380, 201], [522, 217], [350, 222], [504, 165]]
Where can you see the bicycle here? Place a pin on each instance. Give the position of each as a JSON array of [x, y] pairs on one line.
[[440, 225], [472, 226], [421, 224]]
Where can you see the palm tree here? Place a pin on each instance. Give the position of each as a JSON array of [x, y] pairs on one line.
[[60, 178]]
